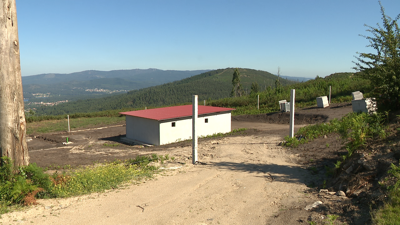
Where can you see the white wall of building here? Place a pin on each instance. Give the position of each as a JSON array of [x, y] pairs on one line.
[[141, 129], [181, 131], [219, 123]]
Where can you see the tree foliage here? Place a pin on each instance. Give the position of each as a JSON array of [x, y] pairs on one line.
[[278, 86], [237, 89], [383, 67], [254, 88]]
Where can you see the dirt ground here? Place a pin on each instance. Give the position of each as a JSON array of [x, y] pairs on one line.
[[244, 179]]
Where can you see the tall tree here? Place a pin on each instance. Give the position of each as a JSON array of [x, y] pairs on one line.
[[12, 118], [278, 85], [383, 67], [237, 87]]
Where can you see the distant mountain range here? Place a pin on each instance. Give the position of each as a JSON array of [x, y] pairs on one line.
[[213, 84], [298, 79], [88, 84], [55, 87]]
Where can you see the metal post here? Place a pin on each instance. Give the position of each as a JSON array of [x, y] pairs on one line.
[[69, 128], [330, 91], [258, 102], [292, 98], [194, 133]]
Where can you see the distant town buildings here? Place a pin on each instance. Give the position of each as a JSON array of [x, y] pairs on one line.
[[47, 103], [105, 90]]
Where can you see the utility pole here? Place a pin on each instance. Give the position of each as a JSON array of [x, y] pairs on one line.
[[12, 116]]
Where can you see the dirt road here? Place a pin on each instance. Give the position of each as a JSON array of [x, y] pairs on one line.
[[241, 180]]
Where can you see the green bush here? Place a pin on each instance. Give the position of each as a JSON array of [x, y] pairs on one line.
[[39, 178], [13, 186]]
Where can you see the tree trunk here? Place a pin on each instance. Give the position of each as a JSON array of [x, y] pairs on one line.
[[12, 117]]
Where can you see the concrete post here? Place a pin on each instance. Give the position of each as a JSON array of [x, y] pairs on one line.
[[330, 91], [292, 98], [194, 133], [69, 128], [258, 102], [204, 102]]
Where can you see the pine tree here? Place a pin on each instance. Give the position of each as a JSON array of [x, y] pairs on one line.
[[237, 87], [383, 67]]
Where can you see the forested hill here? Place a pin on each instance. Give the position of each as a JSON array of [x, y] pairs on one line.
[[93, 83], [214, 84]]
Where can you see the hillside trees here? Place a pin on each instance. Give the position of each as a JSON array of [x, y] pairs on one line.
[[254, 88], [278, 85], [237, 87], [383, 67], [12, 118]]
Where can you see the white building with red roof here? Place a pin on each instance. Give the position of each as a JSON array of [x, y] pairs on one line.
[[171, 124]]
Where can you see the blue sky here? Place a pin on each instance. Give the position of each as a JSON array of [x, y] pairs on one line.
[[304, 38]]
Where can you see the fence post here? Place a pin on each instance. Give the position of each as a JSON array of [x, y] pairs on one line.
[[194, 133], [292, 98], [69, 128]]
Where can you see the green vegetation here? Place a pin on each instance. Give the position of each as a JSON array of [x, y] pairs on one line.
[[383, 67], [331, 219], [237, 89], [390, 213], [306, 93], [255, 88], [20, 185], [211, 85], [355, 129]]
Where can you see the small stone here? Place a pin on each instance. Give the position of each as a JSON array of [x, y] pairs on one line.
[[323, 190], [349, 169], [340, 193], [315, 204], [325, 136]]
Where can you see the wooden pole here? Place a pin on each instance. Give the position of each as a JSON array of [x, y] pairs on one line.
[[292, 99], [12, 116], [194, 133], [258, 102]]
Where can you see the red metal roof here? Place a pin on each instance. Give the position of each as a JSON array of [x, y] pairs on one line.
[[174, 112]]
